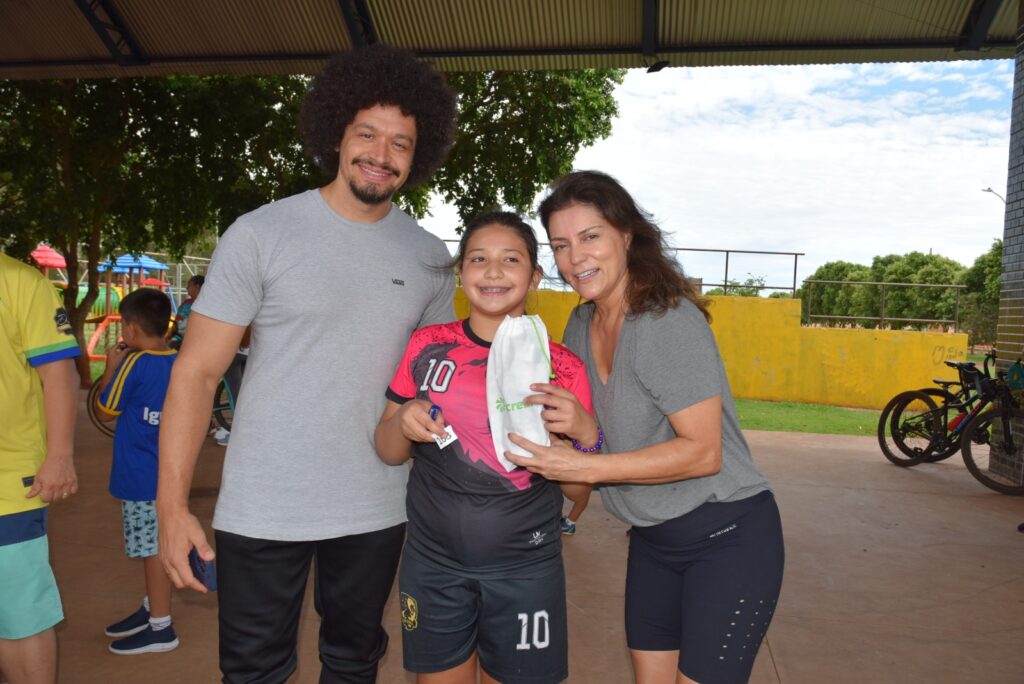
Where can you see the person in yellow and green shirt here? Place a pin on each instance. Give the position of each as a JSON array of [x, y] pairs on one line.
[[38, 403]]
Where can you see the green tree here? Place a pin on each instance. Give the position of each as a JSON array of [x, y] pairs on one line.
[[919, 302], [518, 131], [134, 164], [833, 300], [751, 287], [101, 166]]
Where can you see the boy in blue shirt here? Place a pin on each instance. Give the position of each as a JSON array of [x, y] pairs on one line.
[[134, 385]]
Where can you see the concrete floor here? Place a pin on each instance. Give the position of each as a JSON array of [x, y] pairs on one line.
[[892, 575]]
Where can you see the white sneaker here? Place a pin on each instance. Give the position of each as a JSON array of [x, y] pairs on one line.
[[220, 434]]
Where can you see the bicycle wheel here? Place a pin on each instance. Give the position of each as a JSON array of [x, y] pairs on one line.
[[222, 411], [90, 407], [993, 449], [909, 428], [949, 445]]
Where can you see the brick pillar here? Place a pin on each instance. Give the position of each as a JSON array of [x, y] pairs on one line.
[[1010, 331]]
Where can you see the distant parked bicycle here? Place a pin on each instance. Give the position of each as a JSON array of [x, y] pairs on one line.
[[906, 433], [991, 441], [223, 409]]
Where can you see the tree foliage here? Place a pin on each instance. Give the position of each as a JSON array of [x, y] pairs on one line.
[[864, 302], [124, 165], [94, 167], [751, 287], [519, 130]]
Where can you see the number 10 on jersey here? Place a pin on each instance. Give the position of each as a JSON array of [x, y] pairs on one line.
[[540, 637]]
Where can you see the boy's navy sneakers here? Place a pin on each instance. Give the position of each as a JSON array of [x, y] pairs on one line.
[[147, 641], [133, 624], [567, 526]]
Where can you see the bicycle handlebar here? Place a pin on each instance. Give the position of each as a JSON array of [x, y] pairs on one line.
[[990, 359]]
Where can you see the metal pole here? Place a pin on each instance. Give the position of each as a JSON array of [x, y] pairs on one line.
[[810, 301], [725, 281], [881, 322], [956, 312], [795, 258]]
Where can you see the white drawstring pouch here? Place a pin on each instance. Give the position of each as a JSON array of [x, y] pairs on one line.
[[519, 357]]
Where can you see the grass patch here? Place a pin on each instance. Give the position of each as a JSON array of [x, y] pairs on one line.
[[784, 416]]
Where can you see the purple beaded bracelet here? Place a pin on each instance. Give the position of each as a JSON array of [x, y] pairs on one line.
[[589, 450]]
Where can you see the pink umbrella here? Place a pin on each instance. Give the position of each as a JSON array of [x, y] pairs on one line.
[[48, 257]]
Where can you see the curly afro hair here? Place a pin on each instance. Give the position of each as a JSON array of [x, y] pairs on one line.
[[379, 75]]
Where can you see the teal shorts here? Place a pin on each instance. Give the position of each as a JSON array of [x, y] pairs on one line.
[[29, 600]]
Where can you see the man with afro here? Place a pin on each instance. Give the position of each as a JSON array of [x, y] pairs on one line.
[[333, 281]]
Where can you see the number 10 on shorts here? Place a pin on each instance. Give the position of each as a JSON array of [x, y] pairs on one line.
[[540, 637]]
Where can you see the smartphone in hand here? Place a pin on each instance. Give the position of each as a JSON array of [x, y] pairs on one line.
[[204, 570]]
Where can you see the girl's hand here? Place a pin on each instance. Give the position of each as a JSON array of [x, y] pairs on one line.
[[564, 414], [417, 425], [557, 462]]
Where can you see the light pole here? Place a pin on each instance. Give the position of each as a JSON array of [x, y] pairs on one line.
[[989, 189]]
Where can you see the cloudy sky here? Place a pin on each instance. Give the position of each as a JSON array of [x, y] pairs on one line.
[[838, 162]]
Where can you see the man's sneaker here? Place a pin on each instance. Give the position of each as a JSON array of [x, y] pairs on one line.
[[568, 527], [221, 436], [146, 641], [133, 624]]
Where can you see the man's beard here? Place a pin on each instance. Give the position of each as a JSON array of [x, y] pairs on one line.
[[371, 194]]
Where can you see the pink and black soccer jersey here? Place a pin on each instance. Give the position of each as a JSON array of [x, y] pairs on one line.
[[465, 511]]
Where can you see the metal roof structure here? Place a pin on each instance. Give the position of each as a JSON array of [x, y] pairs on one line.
[[120, 38]]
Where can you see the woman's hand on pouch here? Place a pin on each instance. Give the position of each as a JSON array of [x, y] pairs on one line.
[[556, 462]]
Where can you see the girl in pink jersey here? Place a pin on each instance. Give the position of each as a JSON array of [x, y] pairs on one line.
[[481, 581]]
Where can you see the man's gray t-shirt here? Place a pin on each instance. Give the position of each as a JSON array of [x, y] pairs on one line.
[[662, 365], [332, 304]]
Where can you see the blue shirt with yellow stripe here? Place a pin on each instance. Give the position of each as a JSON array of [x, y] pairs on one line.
[[136, 396]]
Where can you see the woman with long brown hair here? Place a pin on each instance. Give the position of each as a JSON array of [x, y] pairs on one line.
[[706, 550]]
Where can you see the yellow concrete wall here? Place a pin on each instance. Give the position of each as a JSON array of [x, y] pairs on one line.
[[769, 355]]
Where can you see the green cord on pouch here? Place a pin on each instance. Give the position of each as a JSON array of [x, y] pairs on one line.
[[540, 343]]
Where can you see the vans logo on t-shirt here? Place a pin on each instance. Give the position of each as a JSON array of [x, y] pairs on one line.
[[397, 281]]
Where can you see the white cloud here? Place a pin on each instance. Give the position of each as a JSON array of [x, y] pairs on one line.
[[839, 162]]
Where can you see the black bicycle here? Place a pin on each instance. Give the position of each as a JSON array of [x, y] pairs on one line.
[[926, 425], [989, 423], [993, 442]]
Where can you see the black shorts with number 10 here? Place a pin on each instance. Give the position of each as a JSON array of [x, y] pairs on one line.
[[517, 623]]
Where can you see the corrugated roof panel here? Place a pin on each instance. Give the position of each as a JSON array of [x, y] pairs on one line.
[[51, 38], [780, 21], [445, 25], [47, 31], [225, 27]]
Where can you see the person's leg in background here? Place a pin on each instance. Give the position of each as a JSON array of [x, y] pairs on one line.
[[29, 608], [32, 660]]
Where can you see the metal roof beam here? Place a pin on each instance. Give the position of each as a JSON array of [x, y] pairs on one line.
[[519, 52], [978, 24], [111, 29], [650, 28], [358, 22]]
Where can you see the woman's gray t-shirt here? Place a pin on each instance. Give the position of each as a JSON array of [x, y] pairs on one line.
[[662, 365]]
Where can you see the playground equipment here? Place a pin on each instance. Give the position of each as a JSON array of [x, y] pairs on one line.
[[131, 271]]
